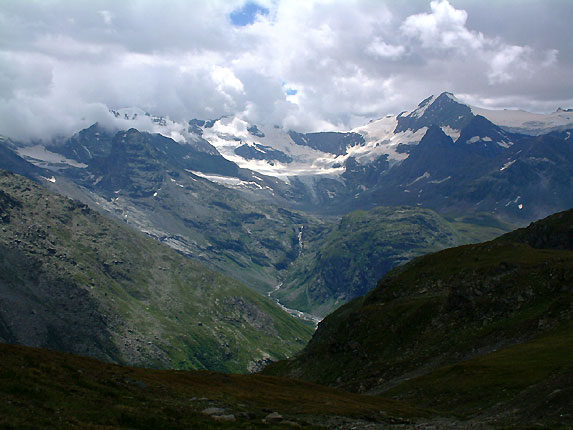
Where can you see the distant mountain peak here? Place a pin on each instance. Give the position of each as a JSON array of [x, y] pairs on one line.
[[444, 97], [443, 110], [450, 95]]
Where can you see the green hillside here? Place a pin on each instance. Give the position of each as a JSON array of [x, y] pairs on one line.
[[469, 330], [73, 280], [346, 261]]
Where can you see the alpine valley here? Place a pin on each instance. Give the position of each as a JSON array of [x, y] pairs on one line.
[[265, 205], [220, 245]]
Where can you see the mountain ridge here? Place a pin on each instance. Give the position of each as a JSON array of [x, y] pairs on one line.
[[326, 172], [128, 298]]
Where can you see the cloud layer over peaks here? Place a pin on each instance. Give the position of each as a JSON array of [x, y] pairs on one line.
[[304, 64]]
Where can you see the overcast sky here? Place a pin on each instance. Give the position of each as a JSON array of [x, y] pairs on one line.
[[309, 64]]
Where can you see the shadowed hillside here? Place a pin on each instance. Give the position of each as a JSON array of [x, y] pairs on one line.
[[470, 330]]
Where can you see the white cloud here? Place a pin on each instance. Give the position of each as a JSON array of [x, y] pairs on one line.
[[226, 80], [444, 32], [506, 61], [62, 63], [382, 49], [107, 16], [444, 28]]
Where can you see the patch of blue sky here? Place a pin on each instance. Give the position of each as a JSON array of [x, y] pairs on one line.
[[247, 14], [288, 90]]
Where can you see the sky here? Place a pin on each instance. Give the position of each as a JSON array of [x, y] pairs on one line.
[[308, 65]]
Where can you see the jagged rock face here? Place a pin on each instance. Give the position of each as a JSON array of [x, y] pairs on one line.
[[139, 162], [485, 138], [89, 144], [134, 164], [262, 152], [254, 130]]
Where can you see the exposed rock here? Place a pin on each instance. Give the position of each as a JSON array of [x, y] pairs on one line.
[[213, 411], [273, 417], [229, 417]]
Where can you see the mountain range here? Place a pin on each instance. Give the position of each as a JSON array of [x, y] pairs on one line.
[[263, 204], [403, 159], [219, 245]]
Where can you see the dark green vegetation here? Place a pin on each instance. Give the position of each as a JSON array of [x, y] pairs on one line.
[[478, 331], [347, 260], [45, 389], [70, 279]]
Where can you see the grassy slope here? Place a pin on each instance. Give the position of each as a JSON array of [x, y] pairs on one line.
[[534, 377], [467, 328], [127, 298], [251, 242], [146, 181], [45, 389], [348, 261]]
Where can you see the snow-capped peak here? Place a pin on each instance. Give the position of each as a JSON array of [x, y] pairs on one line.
[[425, 104], [132, 117], [422, 107]]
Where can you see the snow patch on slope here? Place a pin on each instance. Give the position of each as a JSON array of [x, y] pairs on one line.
[[426, 175], [527, 122], [421, 108], [40, 156], [451, 132], [227, 134], [381, 140], [506, 165]]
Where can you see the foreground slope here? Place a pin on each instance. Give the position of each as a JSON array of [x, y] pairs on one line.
[[47, 389], [460, 330], [75, 281]]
